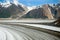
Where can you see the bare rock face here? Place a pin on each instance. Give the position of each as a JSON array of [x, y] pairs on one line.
[[16, 11], [58, 12], [3, 12], [13, 11], [35, 13], [42, 12], [48, 12]]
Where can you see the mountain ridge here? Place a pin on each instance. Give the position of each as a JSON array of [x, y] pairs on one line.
[[21, 11]]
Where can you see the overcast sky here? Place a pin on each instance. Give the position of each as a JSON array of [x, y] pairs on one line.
[[34, 2]]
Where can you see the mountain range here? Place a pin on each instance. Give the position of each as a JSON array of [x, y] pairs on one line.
[[11, 10]]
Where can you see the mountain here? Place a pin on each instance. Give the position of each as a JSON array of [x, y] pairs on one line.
[[44, 11], [12, 11], [35, 13], [40, 12], [18, 10], [3, 12], [58, 10], [55, 9]]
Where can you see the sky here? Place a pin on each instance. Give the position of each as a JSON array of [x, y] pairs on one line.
[[34, 2]]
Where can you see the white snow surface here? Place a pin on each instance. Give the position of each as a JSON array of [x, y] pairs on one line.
[[9, 32]]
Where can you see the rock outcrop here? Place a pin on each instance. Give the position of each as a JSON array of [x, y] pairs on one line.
[[58, 12], [48, 12]]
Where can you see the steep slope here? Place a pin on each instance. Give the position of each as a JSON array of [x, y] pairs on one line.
[[48, 11], [45, 11], [35, 13], [3, 12], [14, 11], [40, 12], [18, 10], [58, 10]]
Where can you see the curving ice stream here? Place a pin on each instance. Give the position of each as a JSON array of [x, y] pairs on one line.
[[9, 32]]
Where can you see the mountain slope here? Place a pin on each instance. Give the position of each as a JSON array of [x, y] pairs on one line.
[[17, 11], [13, 10], [35, 13], [45, 11], [40, 12]]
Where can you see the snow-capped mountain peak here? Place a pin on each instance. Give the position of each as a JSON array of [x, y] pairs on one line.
[[8, 3], [5, 4], [15, 2]]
